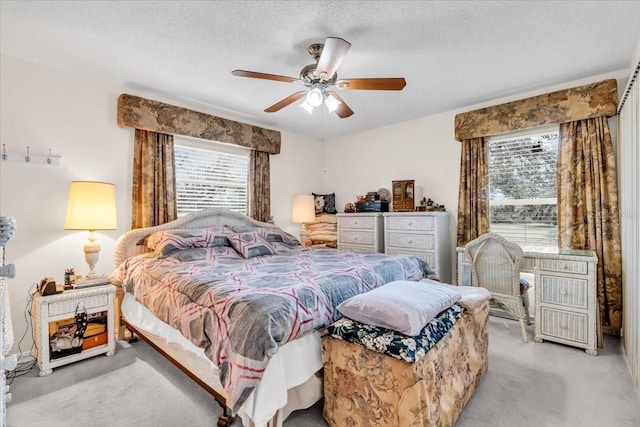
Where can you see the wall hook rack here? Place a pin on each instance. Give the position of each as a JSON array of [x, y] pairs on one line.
[[30, 158]]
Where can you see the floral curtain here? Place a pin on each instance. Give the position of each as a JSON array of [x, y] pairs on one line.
[[588, 215], [154, 186], [473, 198], [259, 186]]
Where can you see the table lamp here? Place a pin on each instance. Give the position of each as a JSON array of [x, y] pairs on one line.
[[92, 206], [303, 210]]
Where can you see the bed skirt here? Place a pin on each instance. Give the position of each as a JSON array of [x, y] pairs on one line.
[[366, 388]]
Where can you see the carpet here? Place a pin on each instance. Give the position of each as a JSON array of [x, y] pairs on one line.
[[105, 398], [527, 385]]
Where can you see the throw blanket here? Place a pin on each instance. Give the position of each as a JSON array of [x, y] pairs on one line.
[[392, 343], [240, 311]]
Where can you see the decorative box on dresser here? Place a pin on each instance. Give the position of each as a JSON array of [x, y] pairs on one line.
[[361, 232], [424, 234]]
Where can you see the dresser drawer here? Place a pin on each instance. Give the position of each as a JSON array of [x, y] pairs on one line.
[[356, 237], [70, 306], [410, 223], [417, 242], [428, 257], [564, 291], [357, 222], [563, 324], [574, 267], [528, 263], [357, 248]]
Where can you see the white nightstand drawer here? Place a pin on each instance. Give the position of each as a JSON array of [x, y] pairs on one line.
[[574, 267], [410, 223], [420, 242], [564, 291], [564, 324], [50, 309], [356, 237], [70, 306], [357, 222]]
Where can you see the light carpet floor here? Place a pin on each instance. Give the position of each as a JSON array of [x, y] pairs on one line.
[[527, 384]]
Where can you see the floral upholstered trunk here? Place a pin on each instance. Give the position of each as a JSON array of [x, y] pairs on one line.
[[366, 388]]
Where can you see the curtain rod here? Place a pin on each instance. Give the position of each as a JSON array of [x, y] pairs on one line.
[[627, 89]]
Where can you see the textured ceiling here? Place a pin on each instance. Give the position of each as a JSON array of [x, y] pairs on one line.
[[452, 54]]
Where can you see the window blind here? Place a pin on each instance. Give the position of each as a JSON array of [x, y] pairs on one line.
[[523, 188], [208, 177]]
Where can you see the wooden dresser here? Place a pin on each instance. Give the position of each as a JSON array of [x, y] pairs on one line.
[[424, 234], [361, 232]]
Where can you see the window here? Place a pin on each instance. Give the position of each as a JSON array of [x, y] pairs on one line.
[[522, 187], [210, 175]]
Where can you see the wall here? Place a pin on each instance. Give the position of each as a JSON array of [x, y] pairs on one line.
[[423, 149], [76, 117], [629, 181]]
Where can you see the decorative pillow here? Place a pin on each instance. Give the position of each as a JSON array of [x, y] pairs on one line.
[[250, 244], [401, 305], [212, 255], [165, 242], [325, 203], [238, 228], [152, 240], [273, 235]]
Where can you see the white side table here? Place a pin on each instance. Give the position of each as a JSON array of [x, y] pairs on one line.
[[51, 309]]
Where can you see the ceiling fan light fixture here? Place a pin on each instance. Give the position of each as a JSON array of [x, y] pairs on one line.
[[306, 107], [331, 102], [314, 97]]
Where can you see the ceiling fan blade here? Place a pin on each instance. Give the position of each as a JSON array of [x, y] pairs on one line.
[[265, 76], [343, 111], [332, 55], [384, 83], [288, 100]]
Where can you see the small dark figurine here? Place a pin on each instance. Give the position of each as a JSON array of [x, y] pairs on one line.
[[69, 278]]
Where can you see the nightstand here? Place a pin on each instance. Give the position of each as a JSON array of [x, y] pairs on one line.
[[54, 322]]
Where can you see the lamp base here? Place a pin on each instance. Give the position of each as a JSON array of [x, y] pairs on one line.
[[91, 255], [303, 234]]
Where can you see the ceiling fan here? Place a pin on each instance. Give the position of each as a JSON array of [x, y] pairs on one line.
[[321, 77]]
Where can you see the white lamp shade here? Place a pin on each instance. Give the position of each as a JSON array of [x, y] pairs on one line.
[[304, 209], [92, 206]]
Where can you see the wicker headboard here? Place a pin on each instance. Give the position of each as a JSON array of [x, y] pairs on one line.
[[130, 243]]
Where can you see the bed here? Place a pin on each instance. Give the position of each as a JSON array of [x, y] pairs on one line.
[[192, 300]]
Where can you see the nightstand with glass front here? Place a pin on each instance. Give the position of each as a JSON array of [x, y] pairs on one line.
[[73, 325]]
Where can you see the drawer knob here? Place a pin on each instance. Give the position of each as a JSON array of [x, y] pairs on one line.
[[355, 222], [563, 292], [409, 241], [564, 326], [355, 238], [410, 223]]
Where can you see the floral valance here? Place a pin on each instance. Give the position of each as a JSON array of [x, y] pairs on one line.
[[568, 105], [146, 114]]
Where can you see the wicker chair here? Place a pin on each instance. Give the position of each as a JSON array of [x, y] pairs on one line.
[[496, 264]]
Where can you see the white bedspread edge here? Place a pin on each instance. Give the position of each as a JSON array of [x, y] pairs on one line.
[[293, 364]]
